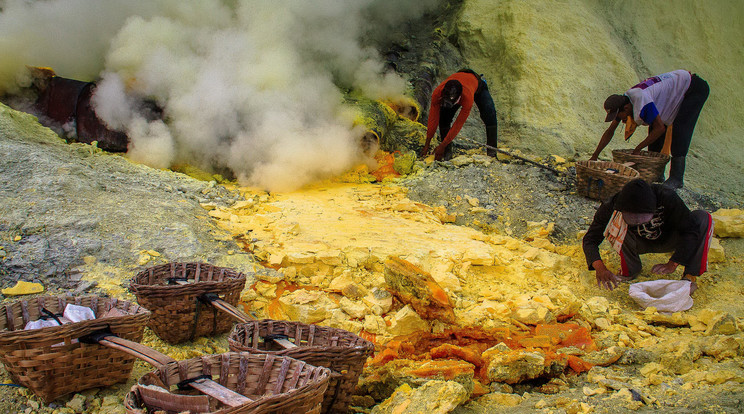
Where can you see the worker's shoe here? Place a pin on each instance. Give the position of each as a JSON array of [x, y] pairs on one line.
[[676, 173], [492, 141]]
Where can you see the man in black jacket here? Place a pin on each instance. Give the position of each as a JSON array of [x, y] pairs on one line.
[[644, 218]]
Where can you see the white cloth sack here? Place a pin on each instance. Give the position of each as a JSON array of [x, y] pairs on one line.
[[77, 313], [41, 323], [664, 295]]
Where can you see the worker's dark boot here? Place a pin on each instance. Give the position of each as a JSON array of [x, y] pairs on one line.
[[676, 173], [492, 140]]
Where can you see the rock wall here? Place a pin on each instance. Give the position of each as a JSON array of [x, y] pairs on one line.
[[72, 216], [552, 64]]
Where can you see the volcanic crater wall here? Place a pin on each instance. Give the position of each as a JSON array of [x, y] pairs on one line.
[[552, 64]]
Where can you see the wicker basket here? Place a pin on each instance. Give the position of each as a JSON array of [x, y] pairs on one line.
[[602, 179], [276, 384], [177, 313], [341, 351], [49, 363], [650, 165]]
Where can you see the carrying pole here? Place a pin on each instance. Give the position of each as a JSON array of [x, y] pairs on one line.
[[527, 160]]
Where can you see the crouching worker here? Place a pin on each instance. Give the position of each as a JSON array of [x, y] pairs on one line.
[[460, 91], [643, 218]]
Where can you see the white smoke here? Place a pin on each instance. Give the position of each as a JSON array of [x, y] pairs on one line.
[[250, 85]]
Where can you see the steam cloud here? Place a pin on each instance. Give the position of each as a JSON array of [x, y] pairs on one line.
[[249, 85]]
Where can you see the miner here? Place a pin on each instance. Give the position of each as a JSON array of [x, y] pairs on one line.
[[669, 104], [648, 218], [459, 92]]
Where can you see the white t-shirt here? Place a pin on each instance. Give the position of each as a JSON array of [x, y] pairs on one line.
[[659, 96]]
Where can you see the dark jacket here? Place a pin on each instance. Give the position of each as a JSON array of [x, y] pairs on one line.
[[671, 219]]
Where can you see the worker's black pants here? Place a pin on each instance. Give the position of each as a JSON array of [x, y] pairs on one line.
[[634, 246], [684, 123], [486, 107]]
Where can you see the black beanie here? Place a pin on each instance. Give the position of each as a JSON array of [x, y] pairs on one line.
[[636, 197]]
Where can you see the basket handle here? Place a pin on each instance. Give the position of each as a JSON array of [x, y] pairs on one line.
[[159, 360], [106, 338], [220, 304], [281, 340]]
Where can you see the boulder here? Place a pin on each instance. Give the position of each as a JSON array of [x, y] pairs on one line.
[[729, 222], [379, 301], [520, 365], [374, 324], [682, 360], [354, 309], [412, 285], [722, 324], [500, 399], [716, 254], [434, 397], [533, 315], [598, 305], [604, 357], [407, 321], [306, 306], [722, 346]]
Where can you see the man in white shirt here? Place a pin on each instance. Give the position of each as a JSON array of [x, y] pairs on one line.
[[670, 100]]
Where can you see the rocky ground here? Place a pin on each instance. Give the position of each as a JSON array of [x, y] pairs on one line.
[[499, 238]]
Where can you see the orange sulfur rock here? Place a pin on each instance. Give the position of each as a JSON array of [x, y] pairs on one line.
[[479, 389], [567, 334], [443, 369], [385, 166], [471, 353], [412, 285], [578, 365], [476, 347]]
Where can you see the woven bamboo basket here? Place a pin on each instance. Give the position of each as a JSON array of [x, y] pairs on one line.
[[276, 384], [342, 352], [178, 314], [650, 165], [602, 179], [50, 361]]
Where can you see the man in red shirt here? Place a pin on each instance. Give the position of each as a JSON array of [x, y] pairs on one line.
[[460, 91]]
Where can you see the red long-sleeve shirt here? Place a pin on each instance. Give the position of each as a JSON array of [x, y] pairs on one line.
[[469, 84]]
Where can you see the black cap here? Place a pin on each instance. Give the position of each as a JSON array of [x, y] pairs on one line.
[[636, 197], [613, 104], [451, 93]]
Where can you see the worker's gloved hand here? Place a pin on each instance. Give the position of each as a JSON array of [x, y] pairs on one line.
[[664, 268], [606, 279], [425, 151], [439, 152]]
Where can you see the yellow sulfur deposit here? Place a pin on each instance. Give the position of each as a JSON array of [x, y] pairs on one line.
[[23, 288], [338, 236]]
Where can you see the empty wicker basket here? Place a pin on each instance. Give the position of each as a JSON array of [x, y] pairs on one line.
[[50, 361], [341, 351], [602, 179], [275, 384], [178, 314], [650, 165]]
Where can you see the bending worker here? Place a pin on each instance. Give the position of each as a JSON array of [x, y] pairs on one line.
[[648, 218], [459, 91], [668, 103]]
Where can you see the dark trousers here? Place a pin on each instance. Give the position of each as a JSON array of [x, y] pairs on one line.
[[684, 123], [634, 246], [486, 107]]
